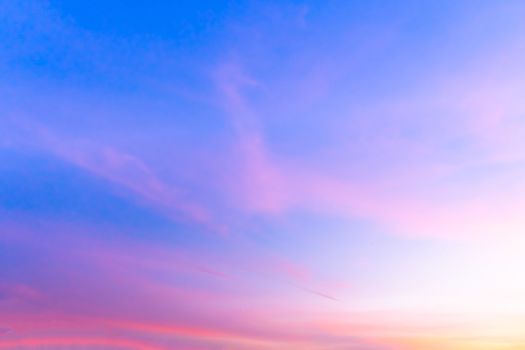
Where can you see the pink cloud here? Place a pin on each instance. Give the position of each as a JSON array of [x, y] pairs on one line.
[[259, 183], [125, 288], [76, 342], [124, 170], [267, 183]]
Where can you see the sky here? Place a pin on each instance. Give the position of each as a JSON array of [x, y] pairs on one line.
[[262, 175]]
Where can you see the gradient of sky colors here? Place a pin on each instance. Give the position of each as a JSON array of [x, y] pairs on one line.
[[245, 175]]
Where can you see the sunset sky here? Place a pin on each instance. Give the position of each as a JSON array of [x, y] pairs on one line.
[[262, 175]]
